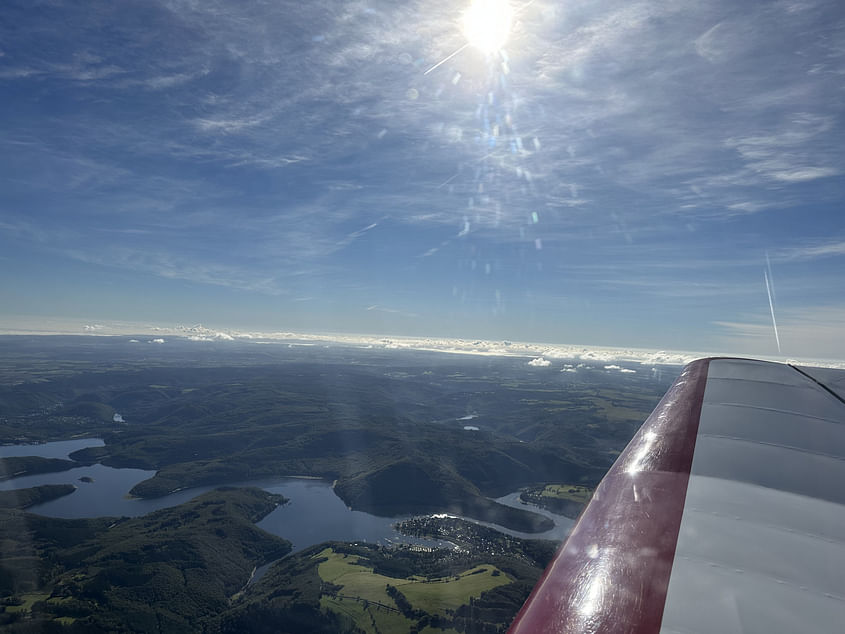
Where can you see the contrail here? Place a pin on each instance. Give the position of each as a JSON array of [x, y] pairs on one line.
[[448, 180], [446, 59], [771, 277], [772, 307]]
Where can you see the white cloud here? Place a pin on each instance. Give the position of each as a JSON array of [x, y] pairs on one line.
[[706, 45], [828, 249], [177, 265], [620, 369], [360, 232], [789, 151], [218, 336], [539, 362], [391, 311], [800, 174], [201, 333], [229, 125], [810, 330]]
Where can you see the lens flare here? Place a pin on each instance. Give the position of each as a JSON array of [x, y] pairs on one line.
[[487, 24]]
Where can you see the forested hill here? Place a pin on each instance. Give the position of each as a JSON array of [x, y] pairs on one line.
[[164, 572], [400, 432]]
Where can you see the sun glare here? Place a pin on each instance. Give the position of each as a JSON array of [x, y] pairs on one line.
[[487, 24]]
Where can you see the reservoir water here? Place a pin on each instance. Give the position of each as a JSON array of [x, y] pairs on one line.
[[57, 449], [314, 513]]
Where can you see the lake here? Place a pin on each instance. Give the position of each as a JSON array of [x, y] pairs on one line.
[[57, 449], [313, 515]]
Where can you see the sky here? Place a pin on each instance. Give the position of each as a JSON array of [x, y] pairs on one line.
[[641, 174]]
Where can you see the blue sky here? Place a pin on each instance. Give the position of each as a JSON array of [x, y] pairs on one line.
[[616, 176]]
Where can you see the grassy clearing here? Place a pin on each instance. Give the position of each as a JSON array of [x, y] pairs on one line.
[[357, 581], [352, 609], [438, 596], [389, 621], [368, 617], [361, 584], [616, 413], [28, 601], [572, 492]]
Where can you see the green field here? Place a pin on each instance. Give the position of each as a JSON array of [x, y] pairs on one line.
[[357, 581], [373, 619], [362, 590], [27, 602], [369, 617], [440, 595], [572, 492]]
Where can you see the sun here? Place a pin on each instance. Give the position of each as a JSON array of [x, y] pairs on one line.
[[487, 24]]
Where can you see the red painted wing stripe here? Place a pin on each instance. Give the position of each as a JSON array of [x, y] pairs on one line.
[[612, 574]]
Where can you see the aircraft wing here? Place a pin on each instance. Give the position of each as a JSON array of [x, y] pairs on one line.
[[725, 514]]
